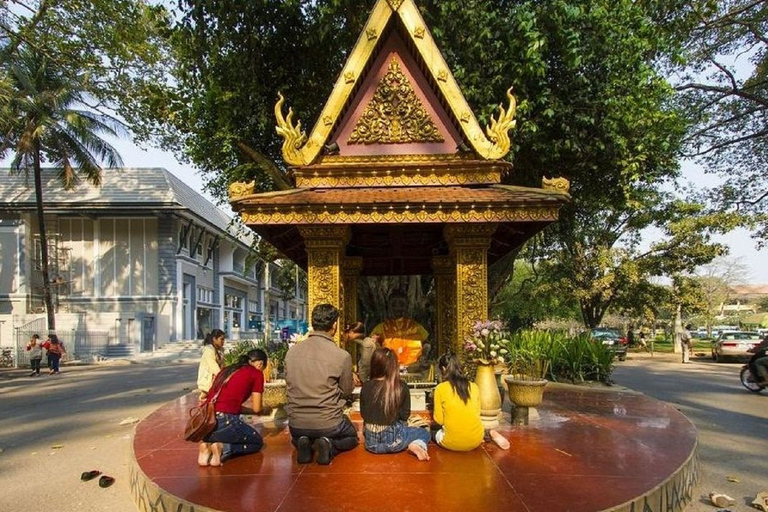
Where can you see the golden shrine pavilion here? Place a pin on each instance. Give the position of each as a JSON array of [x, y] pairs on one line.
[[398, 178]]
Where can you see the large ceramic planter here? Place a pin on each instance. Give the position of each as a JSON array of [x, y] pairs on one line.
[[490, 399], [525, 393]]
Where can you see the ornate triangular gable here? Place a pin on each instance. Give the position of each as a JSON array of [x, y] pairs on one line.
[[456, 124]]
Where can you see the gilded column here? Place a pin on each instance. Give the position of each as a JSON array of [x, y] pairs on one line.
[[325, 250], [350, 272], [469, 247], [444, 271]]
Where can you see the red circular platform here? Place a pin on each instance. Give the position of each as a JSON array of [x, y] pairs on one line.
[[589, 450]]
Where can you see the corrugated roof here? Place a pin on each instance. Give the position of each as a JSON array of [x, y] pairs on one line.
[[435, 195], [146, 188]]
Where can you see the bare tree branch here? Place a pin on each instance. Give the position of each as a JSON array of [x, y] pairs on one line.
[[277, 175]]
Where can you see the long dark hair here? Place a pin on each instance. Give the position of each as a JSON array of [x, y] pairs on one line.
[[384, 366], [216, 333], [244, 360], [451, 369], [356, 327]]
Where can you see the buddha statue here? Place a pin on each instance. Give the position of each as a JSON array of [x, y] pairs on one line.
[[401, 334]]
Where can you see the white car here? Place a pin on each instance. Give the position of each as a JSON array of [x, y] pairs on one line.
[[734, 345]]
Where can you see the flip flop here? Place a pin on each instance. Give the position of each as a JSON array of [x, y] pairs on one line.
[[89, 475], [106, 481]]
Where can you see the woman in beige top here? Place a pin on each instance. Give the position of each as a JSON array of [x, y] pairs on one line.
[[211, 361]]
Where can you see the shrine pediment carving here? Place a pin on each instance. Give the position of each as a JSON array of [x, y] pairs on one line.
[[395, 95]]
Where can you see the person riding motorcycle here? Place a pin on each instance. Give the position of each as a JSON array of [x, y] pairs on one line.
[[758, 363]]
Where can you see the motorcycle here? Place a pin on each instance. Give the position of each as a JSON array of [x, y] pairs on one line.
[[749, 379]]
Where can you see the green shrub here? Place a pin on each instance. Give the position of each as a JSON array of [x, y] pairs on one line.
[[558, 357], [580, 359], [529, 354], [275, 350]]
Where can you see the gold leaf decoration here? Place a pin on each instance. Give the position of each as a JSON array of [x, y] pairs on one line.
[[497, 130], [239, 189], [395, 4], [395, 115], [293, 136], [556, 184]]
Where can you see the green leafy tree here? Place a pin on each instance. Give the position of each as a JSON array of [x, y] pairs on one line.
[[724, 87], [49, 126], [592, 106], [116, 47], [69, 73], [714, 282], [531, 297]]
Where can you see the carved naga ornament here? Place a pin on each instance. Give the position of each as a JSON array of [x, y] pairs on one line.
[[498, 130], [293, 136]]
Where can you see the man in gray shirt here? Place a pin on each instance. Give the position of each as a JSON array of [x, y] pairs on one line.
[[319, 378]]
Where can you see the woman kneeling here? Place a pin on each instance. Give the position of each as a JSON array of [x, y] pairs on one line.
[[232, 436], [385, 405]]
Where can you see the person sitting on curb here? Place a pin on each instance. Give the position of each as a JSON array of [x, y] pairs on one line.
[[319, 380]]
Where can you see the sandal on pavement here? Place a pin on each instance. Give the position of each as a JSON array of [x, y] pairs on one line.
[[106, 481], [89, 475]]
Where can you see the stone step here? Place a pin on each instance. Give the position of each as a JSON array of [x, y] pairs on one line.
[[119, 351]]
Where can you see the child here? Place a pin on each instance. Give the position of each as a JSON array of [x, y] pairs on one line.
[[35, 350], [385, 405], [457, 409]]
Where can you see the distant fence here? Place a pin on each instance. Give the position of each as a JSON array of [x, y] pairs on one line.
[[78, 344]]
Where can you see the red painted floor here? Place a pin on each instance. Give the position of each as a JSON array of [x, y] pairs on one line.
[[588, 451]]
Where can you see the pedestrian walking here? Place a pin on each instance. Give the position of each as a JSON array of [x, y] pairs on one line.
[[55, 354], [686, 343], [35, 349]]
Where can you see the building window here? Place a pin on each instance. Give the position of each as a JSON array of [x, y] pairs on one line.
[[204, 294], [233, 301], [183, 238]]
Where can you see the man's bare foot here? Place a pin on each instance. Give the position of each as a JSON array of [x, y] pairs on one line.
[[203, 453], [419, 451], [499, 440], [216, 449]]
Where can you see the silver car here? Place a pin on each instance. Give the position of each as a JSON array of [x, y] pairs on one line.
[[734, 345]]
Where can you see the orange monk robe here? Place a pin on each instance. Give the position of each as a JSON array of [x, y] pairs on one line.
[[404, 336]]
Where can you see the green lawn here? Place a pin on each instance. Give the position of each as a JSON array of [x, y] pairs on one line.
[[664, 345]]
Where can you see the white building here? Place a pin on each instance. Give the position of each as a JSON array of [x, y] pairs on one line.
[[143, 259]]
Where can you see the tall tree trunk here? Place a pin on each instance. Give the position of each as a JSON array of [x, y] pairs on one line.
[[677, 344], [47, 294]]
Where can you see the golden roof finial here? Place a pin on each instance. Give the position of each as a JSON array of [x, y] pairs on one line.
[[556, 184], [497, 130], [293, 136]]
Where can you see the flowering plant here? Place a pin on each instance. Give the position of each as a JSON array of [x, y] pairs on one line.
[[297, 338], [487, 342]]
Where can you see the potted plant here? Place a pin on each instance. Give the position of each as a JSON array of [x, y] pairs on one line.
[[485, 347], [528, 360]]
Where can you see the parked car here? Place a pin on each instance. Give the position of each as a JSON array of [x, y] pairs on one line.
[[734, 345], [613, 339]]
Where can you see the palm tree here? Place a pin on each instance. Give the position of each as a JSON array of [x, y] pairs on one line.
[[51, 123]]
